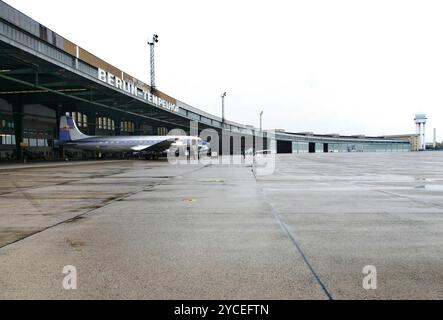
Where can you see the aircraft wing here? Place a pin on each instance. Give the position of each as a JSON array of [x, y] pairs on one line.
[[158, 147], [140, 148]]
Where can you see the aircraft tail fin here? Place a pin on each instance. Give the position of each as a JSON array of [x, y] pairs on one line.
[[69, 130]]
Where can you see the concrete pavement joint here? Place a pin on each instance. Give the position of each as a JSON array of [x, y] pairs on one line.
[[56, 164], [435, 205], [285, 229], [23, 190], [78, 217]]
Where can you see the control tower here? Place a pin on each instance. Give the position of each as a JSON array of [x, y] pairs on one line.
[[420, 121]]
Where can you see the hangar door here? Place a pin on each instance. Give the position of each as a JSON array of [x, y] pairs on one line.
[[284, 146], [312, 147]]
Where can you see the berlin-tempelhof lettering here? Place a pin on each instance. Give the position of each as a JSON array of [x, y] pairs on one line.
[[132, 89]]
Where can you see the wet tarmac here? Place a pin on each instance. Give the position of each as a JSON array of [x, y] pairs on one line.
[[150, 230]]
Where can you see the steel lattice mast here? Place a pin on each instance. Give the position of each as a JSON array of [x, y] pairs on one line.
[[152, 47]]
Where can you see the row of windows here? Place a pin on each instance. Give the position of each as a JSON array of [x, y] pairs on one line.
[[162, 131], [40, 133], [138, 142], [32, 142], [80, 119], [109, 124], [104, 123], [36, 29], [5, 124], [127, 126], [304, 147], [7, 139]]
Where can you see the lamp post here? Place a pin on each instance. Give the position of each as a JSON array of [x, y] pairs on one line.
[[223, 107], [152, 46]]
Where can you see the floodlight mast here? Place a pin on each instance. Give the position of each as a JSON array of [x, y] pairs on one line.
[[152, 46], [261, 121]]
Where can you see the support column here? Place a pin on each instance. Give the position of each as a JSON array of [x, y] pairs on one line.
[[117, 122], [137, 126], [58, 115], [419, 136], [220, 142], [92, 123], [59, 112], [266, 142], [146, 129], [17, 111]]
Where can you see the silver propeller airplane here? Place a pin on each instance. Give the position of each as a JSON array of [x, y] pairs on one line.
[[149, 146]]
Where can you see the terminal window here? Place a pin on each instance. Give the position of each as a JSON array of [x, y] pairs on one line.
[[7, 139], [5, 124]]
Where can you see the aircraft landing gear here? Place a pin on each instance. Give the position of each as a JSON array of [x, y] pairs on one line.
[[151, 157]]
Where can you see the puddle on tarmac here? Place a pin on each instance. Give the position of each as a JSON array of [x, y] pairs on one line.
[[212, 181], [430, 187]]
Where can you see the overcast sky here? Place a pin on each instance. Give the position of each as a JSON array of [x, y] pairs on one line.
[[349, 67]]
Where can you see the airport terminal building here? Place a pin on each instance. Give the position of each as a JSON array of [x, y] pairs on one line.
[[44, 76]]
